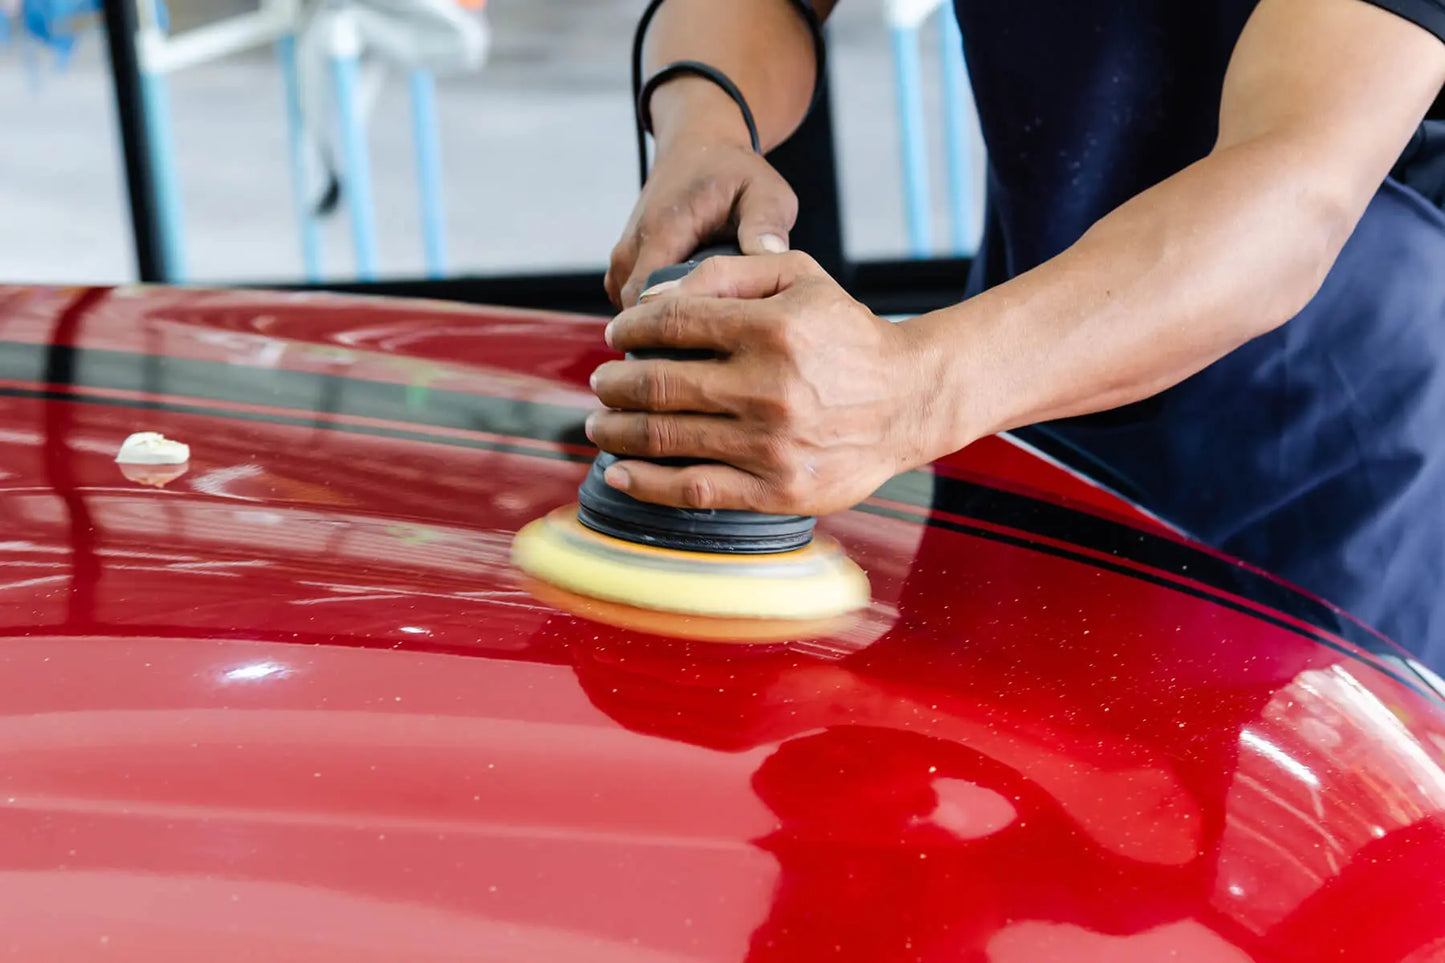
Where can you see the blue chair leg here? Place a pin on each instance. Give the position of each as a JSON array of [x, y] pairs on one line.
[[305, 217], [909, 80], [163, 168], [356, 178], [957, 107], [429, 171]]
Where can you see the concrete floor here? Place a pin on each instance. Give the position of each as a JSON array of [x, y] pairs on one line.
[[537, 150]]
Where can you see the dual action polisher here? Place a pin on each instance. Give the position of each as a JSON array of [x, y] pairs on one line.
[[713, 563]]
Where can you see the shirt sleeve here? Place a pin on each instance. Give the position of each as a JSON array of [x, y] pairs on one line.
[[1429, 14]]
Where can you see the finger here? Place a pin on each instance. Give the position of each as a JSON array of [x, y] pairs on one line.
[[664, 386], [752, 277], [658, 247], [619, 267], [767, 208], [676, 322], [631, 434], [624, 253], [696, 486]]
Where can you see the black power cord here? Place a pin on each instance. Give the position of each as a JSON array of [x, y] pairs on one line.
[[699, 69], [642, 92]]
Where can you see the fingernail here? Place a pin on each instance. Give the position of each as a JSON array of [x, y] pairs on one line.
[[588, 426], [773, 244], [660, 288], [592, 381], [617, 478], [607, 337]]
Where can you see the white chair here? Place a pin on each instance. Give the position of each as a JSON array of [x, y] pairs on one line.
[[344, 32]]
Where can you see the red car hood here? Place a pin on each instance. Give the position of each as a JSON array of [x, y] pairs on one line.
[[295, 705]]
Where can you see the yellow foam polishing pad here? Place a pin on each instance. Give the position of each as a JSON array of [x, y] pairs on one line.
[[712, 629], [817, 581]]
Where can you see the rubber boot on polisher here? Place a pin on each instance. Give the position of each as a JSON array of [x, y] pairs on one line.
[[605, 509]]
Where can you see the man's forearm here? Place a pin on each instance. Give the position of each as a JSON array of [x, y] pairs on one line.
[[1159, 289], [1319, 100], [762, 45]]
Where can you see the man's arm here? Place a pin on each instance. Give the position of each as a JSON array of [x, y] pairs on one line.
[[817, 401], [1320, 98], [762, 46]]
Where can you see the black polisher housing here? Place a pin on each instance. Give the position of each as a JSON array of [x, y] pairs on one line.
[[605, 509]]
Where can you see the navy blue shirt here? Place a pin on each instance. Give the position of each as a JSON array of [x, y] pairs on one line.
[[1085, 103], [1316, 450]]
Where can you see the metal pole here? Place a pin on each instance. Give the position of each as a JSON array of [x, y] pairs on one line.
[[428, 171], [957, 108], [130, 109], [356, 178], [913, 142], [305, 218], [164, 177]]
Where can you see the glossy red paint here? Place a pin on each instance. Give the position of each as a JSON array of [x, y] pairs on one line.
[[293, 704]]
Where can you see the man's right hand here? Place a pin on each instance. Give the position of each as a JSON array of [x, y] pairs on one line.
[[700, 190]]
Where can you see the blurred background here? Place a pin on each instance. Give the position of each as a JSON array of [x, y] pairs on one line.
[[531, 148]]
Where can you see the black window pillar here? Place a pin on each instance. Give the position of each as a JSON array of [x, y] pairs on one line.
[[130, 111]]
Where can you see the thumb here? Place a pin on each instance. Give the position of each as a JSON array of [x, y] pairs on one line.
[[744, 278], [766, 210]]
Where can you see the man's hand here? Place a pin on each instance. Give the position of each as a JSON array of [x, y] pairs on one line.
[[700, 187], [706, 184], [813, 404]]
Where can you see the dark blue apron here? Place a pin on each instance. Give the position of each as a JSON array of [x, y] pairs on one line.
[[1317, 451]]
